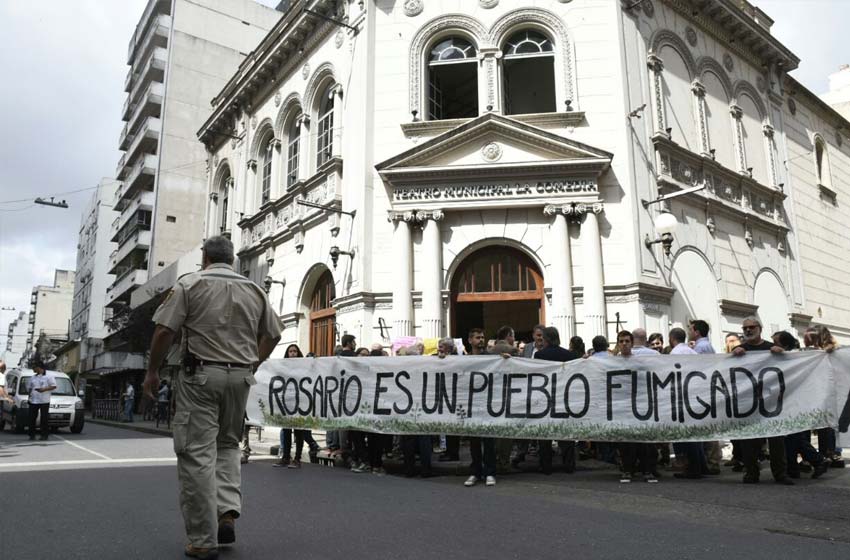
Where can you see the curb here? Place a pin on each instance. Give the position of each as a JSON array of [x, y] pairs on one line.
[[130, 426]]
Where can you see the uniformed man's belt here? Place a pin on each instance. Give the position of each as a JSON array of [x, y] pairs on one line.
[[224, 364]]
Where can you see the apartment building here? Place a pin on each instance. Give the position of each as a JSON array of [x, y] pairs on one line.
[[50, 310], [180, 55], [16, 340]]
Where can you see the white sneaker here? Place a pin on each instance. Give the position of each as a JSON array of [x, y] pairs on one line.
[[491, 481], [470, 481]]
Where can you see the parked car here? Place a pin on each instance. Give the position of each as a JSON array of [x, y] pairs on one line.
[[66, 407]]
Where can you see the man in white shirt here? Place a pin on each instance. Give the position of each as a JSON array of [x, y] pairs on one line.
[[692, 450], [678, 344], [40, 386], [698, 331], [3, 394]]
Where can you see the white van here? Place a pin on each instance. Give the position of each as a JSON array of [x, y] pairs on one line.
[[66, 408]]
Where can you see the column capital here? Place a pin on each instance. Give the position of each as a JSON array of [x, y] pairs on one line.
[[407, 216], [698, 88], [595, 208], [336, 90], [230, 182], [768, 130], [654, 62], [736, 111], [436, 215], [252, 164], [551, 210], [276, 143]]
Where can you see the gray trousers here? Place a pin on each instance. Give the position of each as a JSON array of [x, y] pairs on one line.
[[207, 427]]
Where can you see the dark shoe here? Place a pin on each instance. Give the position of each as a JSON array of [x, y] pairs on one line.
[[282, 462], [712, 471], [296, 464], [750, 480], [443, 458], [202, 553], [226, 529], [785, 481], [690, 476], [837, 464], [820, 469], [427, 474], [794, 475]]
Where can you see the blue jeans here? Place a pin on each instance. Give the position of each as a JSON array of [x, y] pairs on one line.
[[128, 409]]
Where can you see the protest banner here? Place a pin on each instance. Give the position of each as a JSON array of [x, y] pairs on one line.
[[649, 398]]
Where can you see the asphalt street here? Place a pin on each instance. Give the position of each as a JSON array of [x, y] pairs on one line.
[[111, 493]]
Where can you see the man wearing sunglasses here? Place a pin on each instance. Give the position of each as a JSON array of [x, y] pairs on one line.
[[750, 448]]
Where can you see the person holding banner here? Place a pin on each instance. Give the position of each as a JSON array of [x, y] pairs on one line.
[[483, 450], [553, 352], [750, 448], [632, 452]]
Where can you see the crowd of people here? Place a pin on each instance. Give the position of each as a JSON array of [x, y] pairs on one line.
[[789, 455]]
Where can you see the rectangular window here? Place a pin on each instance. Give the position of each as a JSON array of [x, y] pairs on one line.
[[267, 174], [325, 138], [292, 161]]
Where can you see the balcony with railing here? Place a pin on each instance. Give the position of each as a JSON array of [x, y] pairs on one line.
[[139, 200], [152, 70], [140, 176], [153, 8], [145, 140], [132, 250], [149, 105], [129, 222], [124, 283]]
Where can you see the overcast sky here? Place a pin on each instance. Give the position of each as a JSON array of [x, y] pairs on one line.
[[63, 65]]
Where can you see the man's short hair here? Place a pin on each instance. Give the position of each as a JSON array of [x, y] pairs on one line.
[[475, 331], [538, 327], [599, 343], [639, 334], [627, 334], [504, 332], [700, 326], [37, 362], [678, 335], [752, 319], [347, 340], [551, 336], [218, 249], [450, 342]]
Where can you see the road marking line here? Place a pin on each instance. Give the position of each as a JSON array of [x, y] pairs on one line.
[[90, 462], [78, 446]]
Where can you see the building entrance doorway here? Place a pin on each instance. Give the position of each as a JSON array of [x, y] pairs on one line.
[[322, 316], [497, 286]]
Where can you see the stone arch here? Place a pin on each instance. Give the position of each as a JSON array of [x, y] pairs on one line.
[[746, 88], [771, 297], [428, 33], [322, 74], [223, 166], [286, 107], [547, 22], [666, 37], [261, 137], [823, 171], [458, 259], [308, 286], [708, 64], [696, 291]]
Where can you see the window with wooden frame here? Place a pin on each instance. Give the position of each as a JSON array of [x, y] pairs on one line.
[[498, 274]]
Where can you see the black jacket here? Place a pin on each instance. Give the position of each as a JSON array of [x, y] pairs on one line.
[[555, 354]]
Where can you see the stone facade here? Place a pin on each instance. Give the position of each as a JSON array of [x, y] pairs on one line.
[[393, 194]]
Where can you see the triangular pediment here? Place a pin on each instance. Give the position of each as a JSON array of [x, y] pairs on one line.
[[491, 143]]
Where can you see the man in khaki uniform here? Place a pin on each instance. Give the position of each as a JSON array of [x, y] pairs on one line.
[[228, 328]]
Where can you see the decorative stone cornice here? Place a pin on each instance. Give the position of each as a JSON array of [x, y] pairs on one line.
[[737, 308], [419, 129], [424, 215]]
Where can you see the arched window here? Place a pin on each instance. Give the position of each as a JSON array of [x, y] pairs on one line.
[[452, 80], [266, 170], [293, 137], [529, 71], [325, 137], [223, 200], [755, 153], [822, 163]]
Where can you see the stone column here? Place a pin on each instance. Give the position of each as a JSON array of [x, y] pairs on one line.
[[656, 65], [737, 114], [769, 132], [432, 274], [402, 281], [594, 280], [336, 149], [563, 308], [702, 122], [304, 147]]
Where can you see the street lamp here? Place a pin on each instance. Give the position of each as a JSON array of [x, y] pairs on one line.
[[268, 281], [335, 252], [665, 225]]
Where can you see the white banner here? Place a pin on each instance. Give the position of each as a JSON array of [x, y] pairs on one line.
[[655, 399]]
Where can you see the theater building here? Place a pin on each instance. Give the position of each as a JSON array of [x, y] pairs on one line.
[[420, 167]]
